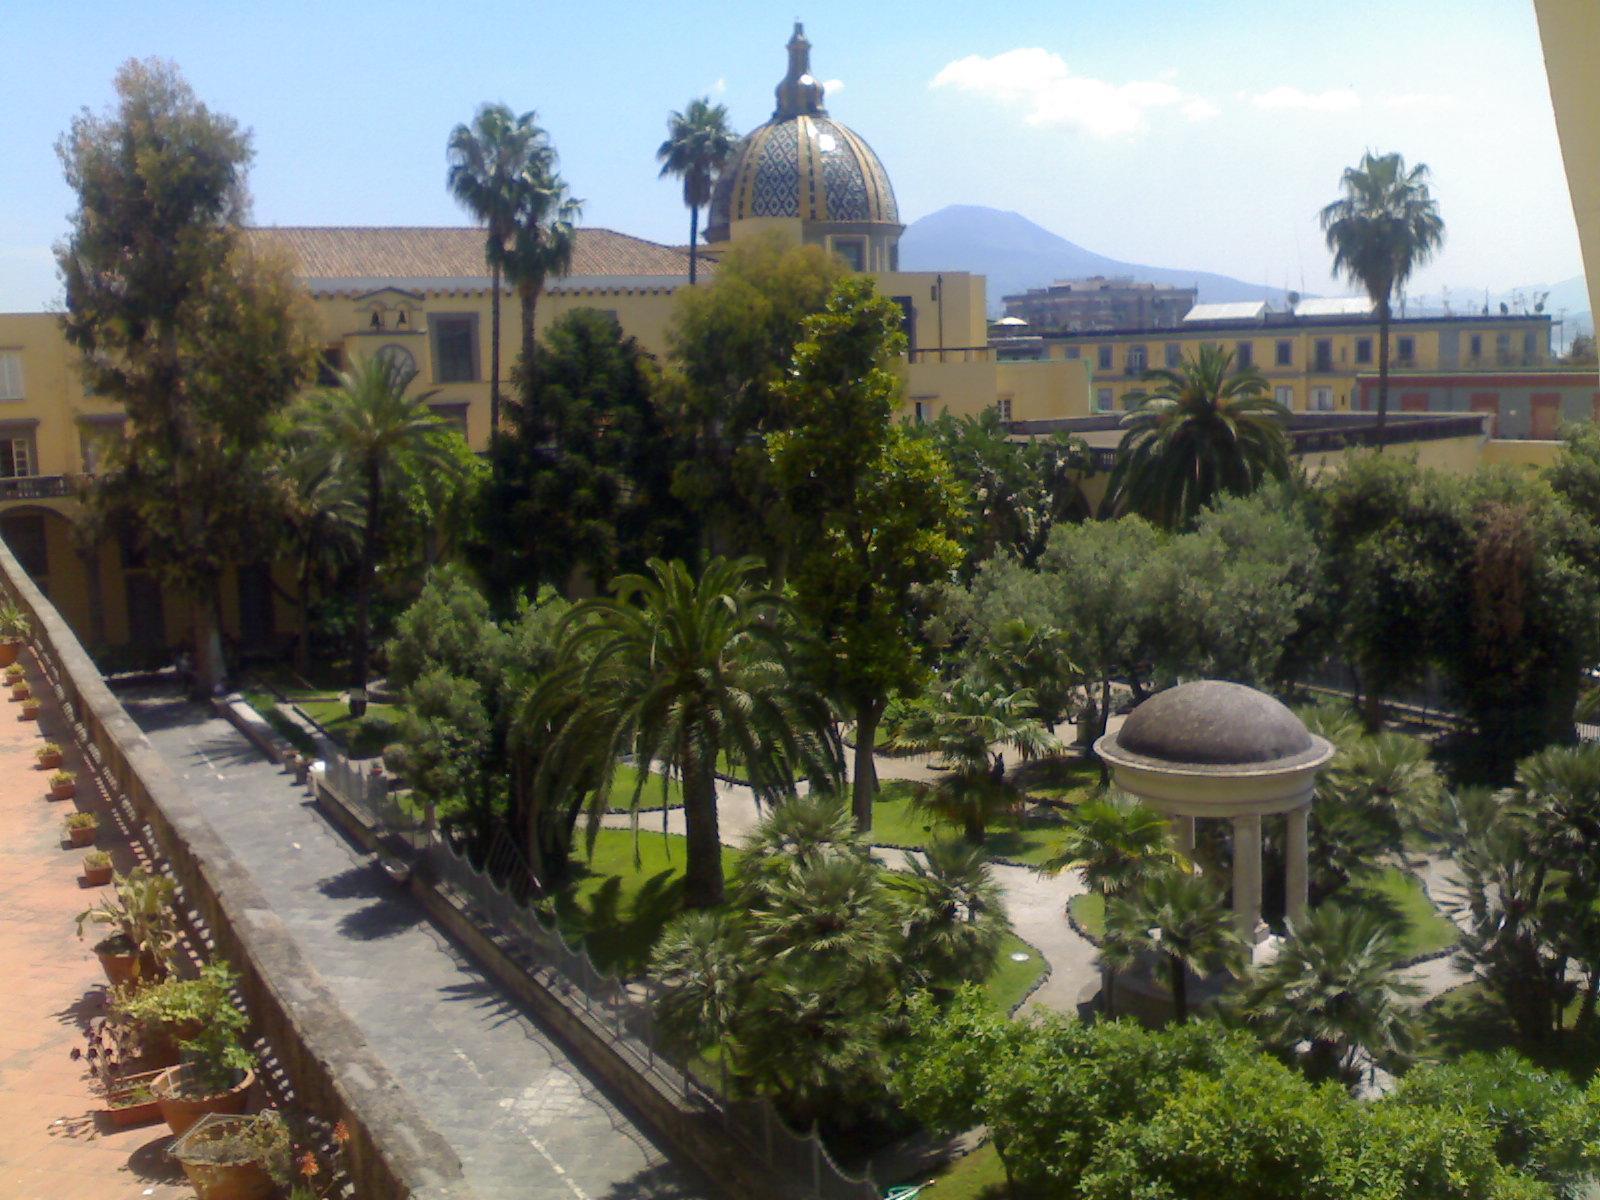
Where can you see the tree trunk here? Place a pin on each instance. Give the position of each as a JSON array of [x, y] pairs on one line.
[[530, 298], [1591, 994], [1383, 368], [1102, 719], [209, 668], [702, 875], [694, 241], [494, 351], [368, 568], [1179, 975], [302, 650], [866, 769]]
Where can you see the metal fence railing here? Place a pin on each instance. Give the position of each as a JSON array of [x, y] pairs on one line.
[[622, 1009]]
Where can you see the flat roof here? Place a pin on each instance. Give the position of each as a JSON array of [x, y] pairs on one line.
[[1288, 323]]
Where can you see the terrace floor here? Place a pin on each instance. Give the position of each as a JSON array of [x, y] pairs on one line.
[[50, 1145]]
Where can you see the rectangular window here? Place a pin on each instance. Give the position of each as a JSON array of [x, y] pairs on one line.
[[1284, 396], [1475, 345], [1284, 354], [919, 412], [1322, 399], [1073, 352], [1244, 356], [1530, 345], [1136, 360], [1363, 350], [853, 251], [908, 322], [1174, 355], [1104, 359], [16, 457], [1102, 399], [452, 412], [10, 375], [455, 347], [1324, 355], [329, 363], [1406, 348], [1003, 407]]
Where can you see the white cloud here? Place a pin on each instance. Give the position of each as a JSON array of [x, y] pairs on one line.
[[720, 86], [1331, 101], [1420, 101], [1040, 83], [832, 87]]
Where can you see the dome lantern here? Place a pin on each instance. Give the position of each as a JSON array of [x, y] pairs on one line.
[[798, 93]]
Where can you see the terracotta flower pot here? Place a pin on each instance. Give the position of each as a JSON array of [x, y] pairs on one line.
[[125, 1115], [50, 762], [121, 964], [229, 1181], [9, 652], [82, 835], [180, 1111], [98, 876], [20, 691], [63, 791], [30, 711]]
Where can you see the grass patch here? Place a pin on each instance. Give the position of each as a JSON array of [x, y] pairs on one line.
[[1423, 928], [1029, 838], [975, 1176], [1064, 780], [1468, 1019], [361, 737], [625, 778], [1012, 981], [267, 706]]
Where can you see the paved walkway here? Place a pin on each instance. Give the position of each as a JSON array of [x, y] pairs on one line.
[[50, 1145], [525, 1119]]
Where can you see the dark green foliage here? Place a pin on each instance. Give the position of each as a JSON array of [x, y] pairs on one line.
[[1181, 918], [582, 480], [448, 627], [445, 743]]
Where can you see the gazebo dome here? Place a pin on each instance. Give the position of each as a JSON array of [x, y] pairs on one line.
[[803, 164], [1213, 723]]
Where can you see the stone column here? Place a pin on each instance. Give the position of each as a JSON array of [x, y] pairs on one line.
[[1247, 875], [1294, 856], [1183, 835]]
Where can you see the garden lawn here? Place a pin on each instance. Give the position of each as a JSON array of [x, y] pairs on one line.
[[266, 705], [1424, 929], [625, 778], [975, 1176], [1028, 839], [1012, 981], [1467, 1019], [361, 738]]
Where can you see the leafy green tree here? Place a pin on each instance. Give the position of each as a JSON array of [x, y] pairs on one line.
[[580, 482], [381, 434], [448, 627], [1016, 491], [1333, 989], [699, 144], [488, 161], [543, 232], [1017, 655], [1183, 918], [199, 340], [1383, 227], [878, 511], [1118, 844], [1202, 432], [675, 669], [955, 917], [731, 343], [445, 732], [969, 727]]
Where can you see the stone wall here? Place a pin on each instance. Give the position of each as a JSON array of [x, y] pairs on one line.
[[393, 1153]]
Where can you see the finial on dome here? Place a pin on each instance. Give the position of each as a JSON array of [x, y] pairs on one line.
[[799, 94]]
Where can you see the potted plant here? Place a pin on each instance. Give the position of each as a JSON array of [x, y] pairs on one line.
[[15, 674], [168, 1013], [97, 869], [63, 785], [214, 1077], [321, 1177], [30, 710], [13, 632], [48, 756], [20, 690], [81, 828], [235, 1158], [113, 1052], [358, 703], [143, 928]]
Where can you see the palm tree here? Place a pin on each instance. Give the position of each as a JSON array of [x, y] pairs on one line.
[[487, 159], [381, 434], [699, 144], [1182, 917], [955, 918], [965, 725], [674, 669], [1333, 988], [1200, 432], [795, 835], [322, 521], [1116, 842], [543, 235], [1384, 226], [703, 968]]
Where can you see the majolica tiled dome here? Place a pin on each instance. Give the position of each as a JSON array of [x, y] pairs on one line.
[[802, 163]]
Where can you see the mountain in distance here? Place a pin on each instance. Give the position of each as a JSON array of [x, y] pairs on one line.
[[1017, 254]]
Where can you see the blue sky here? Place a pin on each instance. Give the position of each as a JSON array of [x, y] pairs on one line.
[[1186, 134]]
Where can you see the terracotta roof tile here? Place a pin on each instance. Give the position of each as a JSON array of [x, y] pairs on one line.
[[419, 252]]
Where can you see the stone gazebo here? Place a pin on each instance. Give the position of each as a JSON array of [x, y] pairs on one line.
[[1224, 751]]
